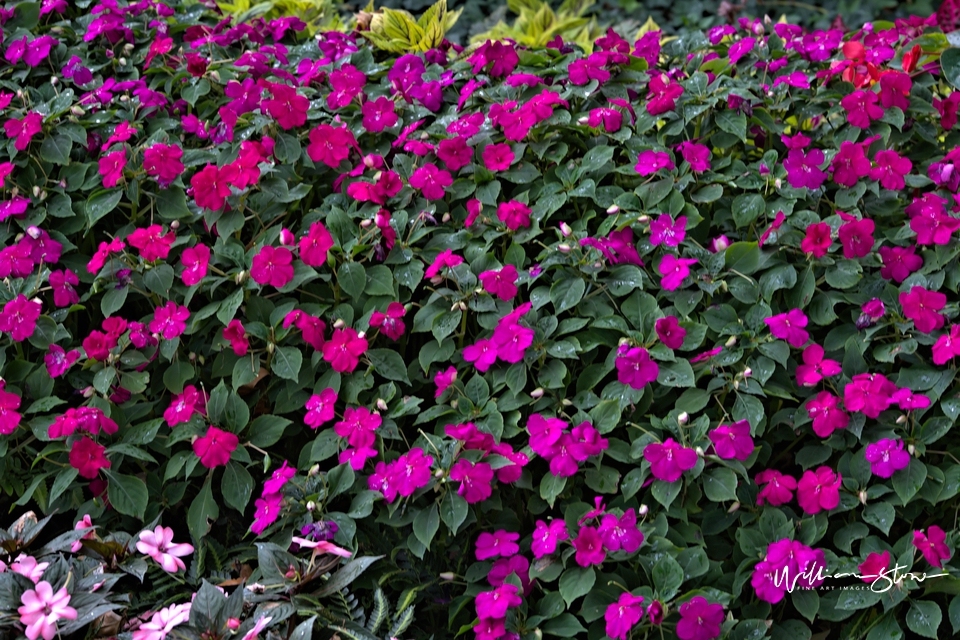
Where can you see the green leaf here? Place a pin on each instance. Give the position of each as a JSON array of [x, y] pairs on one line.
[[236, 486], [112, 301], [287, 148], [388, 364], [426, 524], [379, 281], [567, 293], [565, 625], [159, 279], [56, 149], [267, 430], [954, 613], [924, 618], [746, 209], [667, 577], [950, 66], [807, 602], [127, 494], [881, 515], [345, 576], [742, 257], [720, 484], [676, 374], [229, 305], [176, 375], [172, 204], [551, 487], [352, 278], [453, 511], [907, 482], [286, 362], [733, 122], [203, 512], [340, 479], [100, 204], [665, 492], [576, 582]]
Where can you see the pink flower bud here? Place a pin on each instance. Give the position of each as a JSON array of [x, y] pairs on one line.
[[34, 232], [286, 237], [565, 229], [233, 624]]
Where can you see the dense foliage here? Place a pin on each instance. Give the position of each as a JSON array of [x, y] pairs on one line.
[[300, 337]]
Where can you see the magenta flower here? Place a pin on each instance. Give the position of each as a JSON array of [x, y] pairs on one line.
[[500, 282], [410, 472], [655, 613], [432, 181], [29, 568], [589, 546], [498, 157], [818, 239], [789, 326], [42, 608], [786, 563], [314, 245], [699, 620], [494, 604], [909, 401], [235, 334], [111, 167], [379, 114], [856, 236], [815, 367], [923, 306], [778, 489], [58, 361], [803, 168], [503, 567], [358, 426], [635, 368], [826, 414], [663, 230], [887, 457], [158, 544], [482, 354], [621, 616], [185, 405], [344, 349], [899, 262], [23, 130], [444, 379], [546, 536], [170, 320], [850, 164], [875, 566], [498, 544], [215, 447], [514, 214], [195, 261], [889, 169], [933, 545], [511, 340], [674, 270], [818, 490], [330, 145], [455, 153], [873, 308], [669, 460], [273, 266], [320, 408], [287, 107], [947, 346], [445, 259], [163, 162], [650, 162], [19, 318], [861, 107], [390, 323], [662, 94], [669, 331], [621, 533], [733, 441], [697, 155], [474, 479]]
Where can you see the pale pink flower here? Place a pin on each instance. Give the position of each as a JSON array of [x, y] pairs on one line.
[[159, 545], [163, 622], [42, 608]]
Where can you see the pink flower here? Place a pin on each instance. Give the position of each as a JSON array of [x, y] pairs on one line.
[[9, 417], [314, 245], [211, 186], [663, 230], [151, 242], [514, 214], [444, 379], [162, 161], [29, 568], [610, 119], [670, 333], [786, 563], [856, 237], [23, 130], [411, 471], [815, 367], [889, 169], [498, 157], [390, 323], [720, 243], [933, 545], [273, 266], [445, 259], [170, 320], [546, 536], [861, 107], [474, 480], [650, 162], [669, 460], [922, 306], [58, 361], [819, 490], [699, 620], [185, 405], [817, 241], [947, 346], [655, 613], [850, 164], [621, 616], [511, 340], [235, 334], [789, 326], [482, 354], [111, 167], [662, 94], [778, 490], [330, 145], [494, 604], [453, 151], [875, 566], [432, 181], [899, 262], [589, 547], [733, 441], [873, 308], [674, 270], [195, 260], [887, 457], [320, 408], [358, 426], [697, 155], [287, 107], [343, 351], [163, 622], [42, 608], [826, 414], [88, 457], [158, 544], [215, 447], [621, 533], [498, 544], [635, 368], [379, 114], [803, 168], [500, 282], [267, 511], [908, 400], [19, 318], [63, 283]]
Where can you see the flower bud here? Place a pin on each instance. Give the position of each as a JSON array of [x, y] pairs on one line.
[[291, 572], [286, 237], [314, 470], [201, 360], [192, 357], [233, 624], [448, 575], [339, 324], [863, 496], [445, 218], [271, 347], [36, 190], [88, 392], [912, 450], [361, 334], [214, 75], [736, 384], [778, 183], [537, 393], [613, 209], [731, 341], [565, 229], [456, 305], [54, 80], [644, 219], [683, 418], [734, 507], [643, 510], [43, 195], [699, 452], [462, 305], [747, 372], [34, 232], [566, 402], [381, 404], [366, 223], [175, 225], [902, 419], [241, 276], [311, 506], [454, 403], [563, 248], [439, 473], [128, 48], [583, 120]]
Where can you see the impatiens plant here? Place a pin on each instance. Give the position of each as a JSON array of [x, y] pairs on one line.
[[632, 336]]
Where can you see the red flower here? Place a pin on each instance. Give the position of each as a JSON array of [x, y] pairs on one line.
[[87, 457], [330, 145], [211, 186], [111, 167], [215, 447], [817, 241], [237, 337], [287, 107], [152, 245], [273, 266]]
